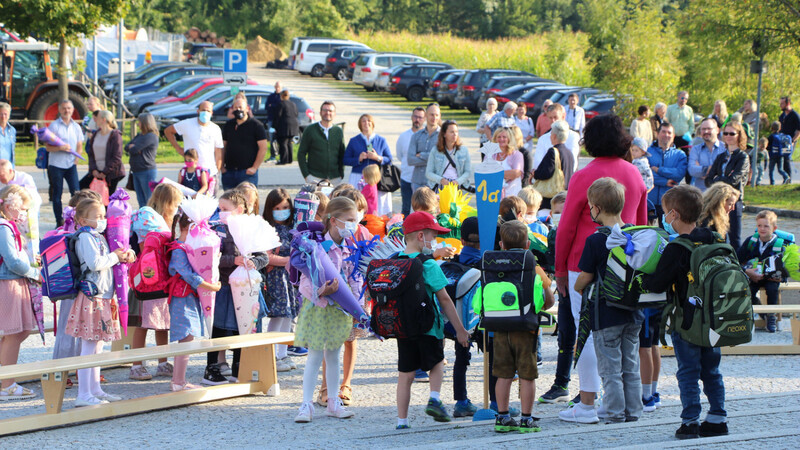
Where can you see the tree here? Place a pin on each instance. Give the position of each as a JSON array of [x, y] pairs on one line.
[[62, 21]]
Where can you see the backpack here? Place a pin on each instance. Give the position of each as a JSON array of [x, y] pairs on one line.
[[402, 307], [718, 310], [149, 275], [550, 254], [61, 268], [462, 284], [782, 145], [621, 285], [512, 294], [42, 158], [771, 265]]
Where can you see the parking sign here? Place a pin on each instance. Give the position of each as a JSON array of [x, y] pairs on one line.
[[235, 67]]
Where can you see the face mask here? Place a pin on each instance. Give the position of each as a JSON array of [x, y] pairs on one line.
[[360, 216], [530, 218], [223, 216], [349, 229], [101, 225], [667, 226], [594, 218], [428, 246], [555, 218], [190, 165], [281, 215], [238, 114], [204, 116]]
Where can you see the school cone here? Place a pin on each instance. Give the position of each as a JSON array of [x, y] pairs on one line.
[[486, 413]]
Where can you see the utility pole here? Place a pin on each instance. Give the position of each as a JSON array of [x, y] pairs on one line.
[[759, 49], [121, 74]]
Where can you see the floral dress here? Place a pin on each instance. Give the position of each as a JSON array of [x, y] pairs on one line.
[[278, 291]]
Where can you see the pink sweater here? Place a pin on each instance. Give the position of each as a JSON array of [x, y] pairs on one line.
[[576, 224], [371, 194]]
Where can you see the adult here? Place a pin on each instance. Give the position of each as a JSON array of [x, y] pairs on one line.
[[543, 122], [504, 118], [511, 159], [790, 124], [105, 153], [681, 116], [244, 143], [142, 150], [576, 116], [749, 114], [525, 125], [61, 161], [547, 168], [641, 127], [658, 118], [491, 110], [273, 101], [720, 114], [450, 164], [321, 151], [608, 142], [556, 112], [732, 167], [406, 170], [203, 135], [703, 155], [368, 148], [422, 143], [8, 175], [668, 165], [719, 200], [8, 134], [286, 127]]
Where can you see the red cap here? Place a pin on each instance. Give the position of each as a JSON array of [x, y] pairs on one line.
[[421, 220]]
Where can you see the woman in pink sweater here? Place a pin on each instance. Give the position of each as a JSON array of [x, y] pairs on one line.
[[607, 141]]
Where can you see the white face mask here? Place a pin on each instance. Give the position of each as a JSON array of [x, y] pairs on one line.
[[555, 218], [530, 218], [349, 229], [360, 217], [22, 217], [223, 216], [429, 246], [101, 225]]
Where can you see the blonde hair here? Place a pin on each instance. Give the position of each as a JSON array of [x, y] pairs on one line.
[[607, 194], [561, 198], [770, 216], [371, 174], [337, 207], [85, 206], [714, 199], [247, 188], [424, 199], [83, 194], [512, 141], [165, 200], [108, 117], [323, 203], [531, 197], [518, 137], [14, 190]]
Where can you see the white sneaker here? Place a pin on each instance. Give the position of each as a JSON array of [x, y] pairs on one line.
[[289, 362], [576, 413], [92, 401], [225, 369], [306, 413], [336, 409], [281, 366], [109, 397]]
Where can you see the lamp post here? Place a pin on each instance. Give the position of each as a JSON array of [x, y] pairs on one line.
[[759, 49]]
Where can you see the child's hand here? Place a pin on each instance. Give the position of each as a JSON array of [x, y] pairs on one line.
[[444, 252], [329, 288], [244, 262], [213, 287], [121, 254], [754, 276], [131, 256], [463, 337]]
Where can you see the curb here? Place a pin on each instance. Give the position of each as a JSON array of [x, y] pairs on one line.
[[783, 213]]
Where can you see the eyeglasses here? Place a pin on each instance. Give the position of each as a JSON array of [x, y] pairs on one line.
[[730, 133]]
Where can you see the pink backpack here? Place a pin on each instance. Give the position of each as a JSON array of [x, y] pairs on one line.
[[149, 275]]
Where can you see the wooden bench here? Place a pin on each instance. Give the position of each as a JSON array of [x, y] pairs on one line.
[[762, 295], [257, 373]]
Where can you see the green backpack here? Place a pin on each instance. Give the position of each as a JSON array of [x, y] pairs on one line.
[[718, 311]]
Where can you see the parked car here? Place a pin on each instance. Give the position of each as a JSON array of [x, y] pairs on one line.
[[411, 80], [211, 56], [533, 99], [583, 94], [599, 105], [337, 63], [369, 65], [294, 50], [157, 81], [193, 48], [471, 83], [206, 83], [513, 93], [501, 83], [313, 52], [382, 83], [448, 88], [109, 81], [435, 82], [140, 100]]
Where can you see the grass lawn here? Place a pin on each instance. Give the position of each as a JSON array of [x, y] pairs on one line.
[[779, 196], [25, 154]]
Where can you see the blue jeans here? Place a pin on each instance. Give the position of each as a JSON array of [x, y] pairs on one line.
[[735, 230], [460, 372], [232, 178], [617, 350], [141, 184], [776, 161], [406, 192], [567, 334], [694, 364], [56, 176]]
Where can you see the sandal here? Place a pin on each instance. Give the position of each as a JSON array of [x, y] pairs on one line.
[[15, 392], [69, 383], [322, 399], [346, 394]]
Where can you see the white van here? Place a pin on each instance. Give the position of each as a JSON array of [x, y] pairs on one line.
[[369, 66], [311, 54], [294, 50]]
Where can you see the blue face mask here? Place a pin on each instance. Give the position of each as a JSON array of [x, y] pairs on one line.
[[204, 116], [281, 215], [667, 226]]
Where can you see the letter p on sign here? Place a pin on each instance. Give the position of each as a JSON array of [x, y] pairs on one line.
[[235, 61]]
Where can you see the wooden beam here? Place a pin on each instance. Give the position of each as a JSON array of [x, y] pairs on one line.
[[53, 386], [750, 350]]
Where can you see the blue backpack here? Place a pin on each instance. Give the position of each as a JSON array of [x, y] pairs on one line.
[[782, 145], [61, 269], [42, 158]]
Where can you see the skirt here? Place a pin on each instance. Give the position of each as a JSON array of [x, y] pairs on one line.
[[94, 319], [186, 318], [66, 345], [279, 294], [321, 328], [17, 309], [225, 312], [155, 314]]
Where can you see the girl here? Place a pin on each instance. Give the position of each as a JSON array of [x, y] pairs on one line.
[[17, 319], [94, 317], [184, 307], [250, 192], [362, 234], [191, 175], [371, 176], [154, 314], [231, 203], [322, 327], [279, 294]]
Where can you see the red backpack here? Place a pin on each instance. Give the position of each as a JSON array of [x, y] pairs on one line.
[[149, 274]]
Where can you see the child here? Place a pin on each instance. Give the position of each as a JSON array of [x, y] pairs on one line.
[[186, 315], [615, 331], [649, 350], [322, 327], [323, 204], [191, 175], [775, 156], [426, 352], [513, 351], [762, 158], [639, 154], [683, 205], [250, 192], [17, 318], [362, 234], [372, 176], [533, 201], [756, 249], [424, 199], [94, 317], [341, 187], [279, 294]]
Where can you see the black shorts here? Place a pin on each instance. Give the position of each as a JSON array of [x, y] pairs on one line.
[[422, 353], [652, 326]]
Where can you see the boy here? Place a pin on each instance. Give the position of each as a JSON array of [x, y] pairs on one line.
[[426, 352], [756, 249], [775, 156], [615, 331], [514, 351], [533, 201], [649, 351], [683, 205]]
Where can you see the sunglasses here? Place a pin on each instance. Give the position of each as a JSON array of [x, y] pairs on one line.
[[730, 133]]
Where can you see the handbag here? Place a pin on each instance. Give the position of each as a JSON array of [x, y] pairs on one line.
[[101, 188], [555, 184], [390, 178]]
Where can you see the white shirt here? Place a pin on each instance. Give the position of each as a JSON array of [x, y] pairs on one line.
[[73, 136], [25, 180], [325, 130], [406, 171], [543, 145], [576, 118], [525, 126], [205, 139]]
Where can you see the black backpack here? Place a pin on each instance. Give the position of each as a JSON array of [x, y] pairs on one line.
[[511, 293], [402, 307]]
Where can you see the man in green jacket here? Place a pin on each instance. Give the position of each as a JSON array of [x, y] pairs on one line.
[[321, 153]]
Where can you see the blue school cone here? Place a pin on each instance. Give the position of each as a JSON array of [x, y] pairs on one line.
[[486, 413]]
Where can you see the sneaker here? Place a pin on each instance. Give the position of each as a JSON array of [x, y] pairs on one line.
[[109, 397], [772, 323], [539, 361], [421, 377], [213, 377], [164, 370], [436, 410], [464, 408], [271, 160], [575, 400], [403, 427], [576, 413], [16, 392], [225, 369], [140, 373], [183, 387], [529, 425], [92, 401], [513, 412], [336, 409], [289, 362], [554, 395], [657, 398], [306, 413], [649, 404], [505, 425], [281, 366], [297, 351], [691, 431], [708, 429]]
